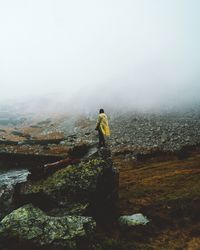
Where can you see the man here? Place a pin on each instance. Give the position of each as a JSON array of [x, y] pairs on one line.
[[102, 127]]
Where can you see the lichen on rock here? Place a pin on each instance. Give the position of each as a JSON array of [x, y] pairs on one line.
[[89, 188], [33, 225], [72, 182]]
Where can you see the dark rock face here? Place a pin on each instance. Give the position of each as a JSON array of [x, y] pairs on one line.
[[30, 226], [105, 203], [6, 200]]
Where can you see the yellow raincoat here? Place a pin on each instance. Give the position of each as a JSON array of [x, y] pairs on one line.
[[102, 123]]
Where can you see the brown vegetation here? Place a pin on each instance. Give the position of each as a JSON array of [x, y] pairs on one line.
[[168, 193]]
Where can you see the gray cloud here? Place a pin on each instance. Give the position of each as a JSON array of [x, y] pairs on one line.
[[138, 54]]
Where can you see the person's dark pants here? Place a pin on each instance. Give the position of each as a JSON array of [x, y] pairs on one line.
[[101, 139]]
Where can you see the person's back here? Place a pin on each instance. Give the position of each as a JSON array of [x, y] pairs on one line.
[[102, 127]]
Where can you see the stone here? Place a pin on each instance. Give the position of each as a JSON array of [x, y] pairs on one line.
[[74, 182], [33, 226], [133, 220], [93, 182]]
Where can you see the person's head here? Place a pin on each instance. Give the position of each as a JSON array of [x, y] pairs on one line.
[[101, 111]]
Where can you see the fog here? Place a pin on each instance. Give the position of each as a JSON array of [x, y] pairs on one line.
[[88, 54]]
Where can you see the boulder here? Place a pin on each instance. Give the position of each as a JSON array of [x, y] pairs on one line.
[[72, 183], [29, 226], [133, 220], [92, 184]]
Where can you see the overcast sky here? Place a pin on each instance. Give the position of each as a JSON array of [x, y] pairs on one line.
[[141, 53]]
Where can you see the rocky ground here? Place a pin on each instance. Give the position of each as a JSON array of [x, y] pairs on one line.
[[138, 132], [166, 132], [158, 159]]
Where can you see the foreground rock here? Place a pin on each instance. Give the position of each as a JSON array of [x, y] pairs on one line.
[[89, 188], [29, 226], [56, 212]]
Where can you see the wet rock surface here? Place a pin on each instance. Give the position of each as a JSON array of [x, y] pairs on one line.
[[8, 180], [13, 176]]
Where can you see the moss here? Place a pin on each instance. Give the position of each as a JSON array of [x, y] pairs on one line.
[[31, 224], [71, 180]]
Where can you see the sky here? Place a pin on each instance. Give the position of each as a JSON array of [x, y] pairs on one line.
[[91, 53]]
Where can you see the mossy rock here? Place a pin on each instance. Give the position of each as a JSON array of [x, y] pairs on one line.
[[30, 224], [72, 179], [72, 184], [89, 188]]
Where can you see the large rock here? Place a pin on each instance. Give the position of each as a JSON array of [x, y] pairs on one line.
[[92, 184], [73, 183], [29, 226]]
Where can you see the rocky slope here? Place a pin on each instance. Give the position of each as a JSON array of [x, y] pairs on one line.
[[168, 132], [135, 131]]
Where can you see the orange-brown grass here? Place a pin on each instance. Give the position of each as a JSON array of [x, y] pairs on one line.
[[168, 192]]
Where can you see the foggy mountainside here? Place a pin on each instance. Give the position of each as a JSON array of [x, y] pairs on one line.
[[155, 169], [99, 125]]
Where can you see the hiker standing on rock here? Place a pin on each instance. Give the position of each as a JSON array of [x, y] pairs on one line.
[[102, 127]]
